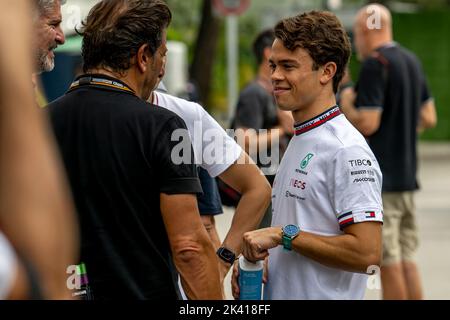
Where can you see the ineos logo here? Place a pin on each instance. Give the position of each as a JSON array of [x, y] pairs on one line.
[[298, 184]]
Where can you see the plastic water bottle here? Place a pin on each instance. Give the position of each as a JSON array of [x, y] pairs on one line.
[[250, 279]]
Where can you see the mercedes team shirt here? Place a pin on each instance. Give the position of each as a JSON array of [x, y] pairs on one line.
[[327, 180]]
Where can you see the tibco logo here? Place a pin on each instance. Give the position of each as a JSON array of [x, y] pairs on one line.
[[360, 162]]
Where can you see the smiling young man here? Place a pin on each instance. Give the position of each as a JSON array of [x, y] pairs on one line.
[[326, 199]]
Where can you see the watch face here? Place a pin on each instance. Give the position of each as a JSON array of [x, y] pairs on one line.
[[291, 230], [226, 254]]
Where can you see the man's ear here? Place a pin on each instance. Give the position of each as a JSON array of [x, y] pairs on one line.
[[143, 58], [267, 52], [328, 72]]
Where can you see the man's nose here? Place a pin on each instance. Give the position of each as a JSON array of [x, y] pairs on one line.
[[276, 75], [60, 37]]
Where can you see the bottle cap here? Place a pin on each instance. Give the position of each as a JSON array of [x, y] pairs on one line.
[[244, 264]]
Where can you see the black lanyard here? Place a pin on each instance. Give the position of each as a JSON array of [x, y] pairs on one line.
[[102, 82]]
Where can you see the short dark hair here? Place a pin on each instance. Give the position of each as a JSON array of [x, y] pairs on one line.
[[263, 40], [114, 31], [322, 35]]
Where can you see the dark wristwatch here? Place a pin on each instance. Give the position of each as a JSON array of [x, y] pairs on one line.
[[226, 255]]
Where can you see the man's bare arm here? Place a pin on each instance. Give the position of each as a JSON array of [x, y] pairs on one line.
[[355, 251], [428, 116], [36, 211], [367, 121], [246, 178], [193, 252]]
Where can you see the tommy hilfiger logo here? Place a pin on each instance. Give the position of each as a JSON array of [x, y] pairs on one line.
[[370, 214]]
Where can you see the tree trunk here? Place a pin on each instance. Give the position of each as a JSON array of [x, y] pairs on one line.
[[205, 51]]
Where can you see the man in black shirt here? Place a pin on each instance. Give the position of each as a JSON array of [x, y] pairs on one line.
[[138, 212], [393, 103]]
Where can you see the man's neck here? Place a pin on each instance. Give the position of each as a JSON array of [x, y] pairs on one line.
[[126, 78], [379, 42], [320, 105]]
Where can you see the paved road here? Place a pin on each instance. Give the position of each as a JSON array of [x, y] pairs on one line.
[[433, 209]]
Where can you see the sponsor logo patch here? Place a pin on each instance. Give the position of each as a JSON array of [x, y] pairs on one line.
[[370, 215], [306, 161], [297, 184], [360, 162], [291, 195], [301, 172], [358, 180]]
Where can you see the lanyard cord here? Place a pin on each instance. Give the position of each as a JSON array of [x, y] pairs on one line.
[[93, 81]]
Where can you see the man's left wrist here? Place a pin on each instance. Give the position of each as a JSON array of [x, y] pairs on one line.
[[226, 255]]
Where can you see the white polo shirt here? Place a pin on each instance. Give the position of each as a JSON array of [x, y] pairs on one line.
[[327, 180], [214, 150]]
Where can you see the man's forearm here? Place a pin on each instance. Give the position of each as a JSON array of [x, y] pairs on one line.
[[348, 252], [343, 252], [192, 251], [36, 212], [248, 216], [246, 178], [197, 265]]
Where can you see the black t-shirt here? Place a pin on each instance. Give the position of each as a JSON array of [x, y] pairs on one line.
[[392, 80], [256, 108], [117, 152]]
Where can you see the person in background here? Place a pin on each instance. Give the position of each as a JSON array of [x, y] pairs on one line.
[[392, 103]]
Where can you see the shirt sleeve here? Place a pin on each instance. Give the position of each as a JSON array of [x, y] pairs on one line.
[[174, 159], [370, 89], [249, 110], [356, 191], [424, 90], [219, 150]]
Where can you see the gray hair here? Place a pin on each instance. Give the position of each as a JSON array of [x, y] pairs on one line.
[[43, 6]]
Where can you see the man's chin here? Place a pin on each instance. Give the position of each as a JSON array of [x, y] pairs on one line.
[[48, 65], [283, 106]]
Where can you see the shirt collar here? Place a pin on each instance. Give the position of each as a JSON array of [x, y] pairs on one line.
[[317, 121]]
